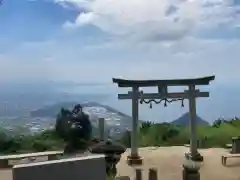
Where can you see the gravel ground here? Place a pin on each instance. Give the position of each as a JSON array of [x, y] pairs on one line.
[[168, 161]]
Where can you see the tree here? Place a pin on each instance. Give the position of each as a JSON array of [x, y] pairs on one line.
[[3, 140], [73, 126], [217, 123], [145, 126]]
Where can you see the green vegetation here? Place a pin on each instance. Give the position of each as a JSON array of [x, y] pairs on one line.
[[47, 140], [166, 134], [150, 134], [72, 132]]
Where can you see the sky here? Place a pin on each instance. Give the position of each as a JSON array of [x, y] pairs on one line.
[[91, 41], [95, 40]]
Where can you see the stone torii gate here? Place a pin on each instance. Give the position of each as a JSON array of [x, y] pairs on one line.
[[163, 96]]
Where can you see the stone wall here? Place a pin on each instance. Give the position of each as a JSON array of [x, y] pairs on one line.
[[92, 167]]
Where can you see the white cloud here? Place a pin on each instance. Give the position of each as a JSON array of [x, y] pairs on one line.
[[189, 57], [153, 19], [16, 69], [82, 19], [146, 20]]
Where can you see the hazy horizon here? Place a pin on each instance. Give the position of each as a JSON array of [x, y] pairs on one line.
[[216, 106]]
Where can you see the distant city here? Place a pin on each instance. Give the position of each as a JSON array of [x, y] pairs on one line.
[[44, 118]]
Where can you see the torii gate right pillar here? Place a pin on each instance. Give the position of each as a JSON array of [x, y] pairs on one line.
[[194, 155]]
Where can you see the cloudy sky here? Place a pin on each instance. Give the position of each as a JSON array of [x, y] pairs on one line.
[[94, 40]]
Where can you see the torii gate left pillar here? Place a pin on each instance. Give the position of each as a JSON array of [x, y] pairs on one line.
[[134, 157]]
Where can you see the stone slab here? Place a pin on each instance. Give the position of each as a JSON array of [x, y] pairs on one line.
[[91, 167]]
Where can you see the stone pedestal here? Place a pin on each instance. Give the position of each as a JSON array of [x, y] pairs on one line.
[[236, 145], [196, 157], [190, 174], [134, 160]]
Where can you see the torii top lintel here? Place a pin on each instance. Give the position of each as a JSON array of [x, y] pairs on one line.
[[169, 82]]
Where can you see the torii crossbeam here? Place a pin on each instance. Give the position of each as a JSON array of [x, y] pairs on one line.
[[163, 95]]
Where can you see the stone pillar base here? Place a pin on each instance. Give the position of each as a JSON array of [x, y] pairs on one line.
[[197, 157], [134, 160]]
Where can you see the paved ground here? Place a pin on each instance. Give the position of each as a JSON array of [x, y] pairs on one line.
[[168, 161]]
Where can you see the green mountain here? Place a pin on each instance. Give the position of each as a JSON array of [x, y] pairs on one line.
[[52, 110]]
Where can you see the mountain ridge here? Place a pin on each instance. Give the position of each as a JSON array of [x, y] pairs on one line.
[[53, 110], [114, 119]]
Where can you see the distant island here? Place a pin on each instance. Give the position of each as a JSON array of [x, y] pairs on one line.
[[184, 120]]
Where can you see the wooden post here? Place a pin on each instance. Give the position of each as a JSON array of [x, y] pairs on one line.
[[138, 174], [4, 163], [152, 174], [101, 128]]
